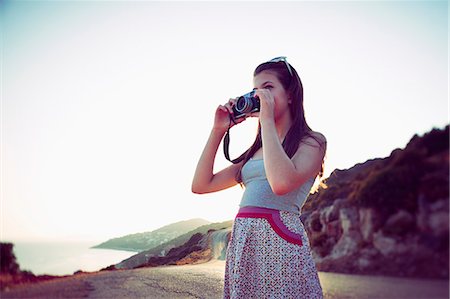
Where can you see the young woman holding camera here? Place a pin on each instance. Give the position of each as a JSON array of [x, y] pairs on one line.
[[269, 254]]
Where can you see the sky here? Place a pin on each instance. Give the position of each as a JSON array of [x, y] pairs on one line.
[[106, 105]]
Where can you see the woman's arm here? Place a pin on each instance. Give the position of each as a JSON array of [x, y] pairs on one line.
[[285, 174], [205, 181]]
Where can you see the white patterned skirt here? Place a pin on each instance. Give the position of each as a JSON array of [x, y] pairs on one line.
[[269, 256]]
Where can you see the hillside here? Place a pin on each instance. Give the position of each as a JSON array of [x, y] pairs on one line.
[[386, 216], [394, 182], [197, 240], [143, 241]]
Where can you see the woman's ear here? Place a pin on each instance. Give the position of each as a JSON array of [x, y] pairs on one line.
[[289, 98]]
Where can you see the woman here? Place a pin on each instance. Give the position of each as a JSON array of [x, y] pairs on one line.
[[269, 254]]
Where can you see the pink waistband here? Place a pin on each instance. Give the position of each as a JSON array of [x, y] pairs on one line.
[[273, 216]]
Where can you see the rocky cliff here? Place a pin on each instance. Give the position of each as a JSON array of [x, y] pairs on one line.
[[386, 216]]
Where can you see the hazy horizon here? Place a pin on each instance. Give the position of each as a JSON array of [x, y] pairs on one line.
[[99, 240], [106, 106]]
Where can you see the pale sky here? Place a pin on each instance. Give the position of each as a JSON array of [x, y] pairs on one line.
[[106, 106]]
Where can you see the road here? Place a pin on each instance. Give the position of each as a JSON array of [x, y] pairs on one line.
[[206, 281]]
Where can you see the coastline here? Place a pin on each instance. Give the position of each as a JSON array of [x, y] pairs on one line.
[[115, 248], [65, 258]]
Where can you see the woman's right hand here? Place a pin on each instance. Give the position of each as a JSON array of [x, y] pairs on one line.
[[224, 113]]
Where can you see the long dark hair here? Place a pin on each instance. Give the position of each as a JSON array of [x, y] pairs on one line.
[[299, 128]]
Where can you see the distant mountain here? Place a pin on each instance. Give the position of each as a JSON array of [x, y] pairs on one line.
[[213, 236], [143, 241]]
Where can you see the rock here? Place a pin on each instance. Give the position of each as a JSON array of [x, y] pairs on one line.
[[195, 257], [331, 213], [369, 253], [385, 245], [363, 263], [440, 206], [314, 224], [438, 223], [422, 214], [400, 223], [322, 244], [316, 257], [348, 244], [344, 229], [324, 214], [438, 220], [349, 219], [433, 218], [333, 229], [370, 221]]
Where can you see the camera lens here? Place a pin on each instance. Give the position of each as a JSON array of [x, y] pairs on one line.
[[242, 105]]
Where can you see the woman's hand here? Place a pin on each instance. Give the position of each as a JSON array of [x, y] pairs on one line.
[[205, 180], [224, 113], [267, 105]]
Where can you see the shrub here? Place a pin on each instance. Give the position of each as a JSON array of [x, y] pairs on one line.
[[390, 189], [8, 264]]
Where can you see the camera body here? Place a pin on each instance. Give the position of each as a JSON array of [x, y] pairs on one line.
[[245, 105]]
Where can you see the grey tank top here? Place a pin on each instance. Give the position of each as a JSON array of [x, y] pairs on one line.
[[259, 193]]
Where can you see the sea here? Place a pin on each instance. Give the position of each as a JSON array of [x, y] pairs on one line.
[[65, 258]]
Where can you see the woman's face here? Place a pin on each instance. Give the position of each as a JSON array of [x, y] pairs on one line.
[[268, 80]]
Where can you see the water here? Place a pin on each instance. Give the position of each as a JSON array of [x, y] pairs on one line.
[[65, 258]]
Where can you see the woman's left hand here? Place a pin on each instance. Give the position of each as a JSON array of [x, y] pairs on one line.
[[267, 105]]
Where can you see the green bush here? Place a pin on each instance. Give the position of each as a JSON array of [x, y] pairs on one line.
[[390, 189], [8, 263], [433, 142]]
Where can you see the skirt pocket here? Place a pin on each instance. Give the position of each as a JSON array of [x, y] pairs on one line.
[[265, 259]]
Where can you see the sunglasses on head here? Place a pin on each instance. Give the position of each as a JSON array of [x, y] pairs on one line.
[[283, 59]]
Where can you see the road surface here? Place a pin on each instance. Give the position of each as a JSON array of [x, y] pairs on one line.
[[206, 281]]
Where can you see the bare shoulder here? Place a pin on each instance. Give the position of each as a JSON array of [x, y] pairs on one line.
[[311, 150], [315, 139]]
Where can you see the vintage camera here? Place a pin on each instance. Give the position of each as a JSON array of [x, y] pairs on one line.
[[246, 104]]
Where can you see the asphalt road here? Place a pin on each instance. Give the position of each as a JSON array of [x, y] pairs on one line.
[[206, 281]]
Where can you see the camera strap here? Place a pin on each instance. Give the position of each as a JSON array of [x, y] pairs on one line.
[[226, 142]]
